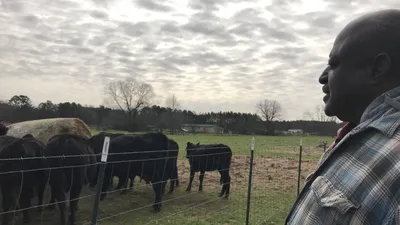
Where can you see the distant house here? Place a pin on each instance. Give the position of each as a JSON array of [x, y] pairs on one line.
[[202, 128], [294, 132]]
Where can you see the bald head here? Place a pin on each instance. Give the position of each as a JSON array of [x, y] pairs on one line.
[[363, 63], [371, 34]]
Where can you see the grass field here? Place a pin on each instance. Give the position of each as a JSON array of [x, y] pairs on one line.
[[273, 190]]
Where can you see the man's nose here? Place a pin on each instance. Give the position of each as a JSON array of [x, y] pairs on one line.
[[323, 79]]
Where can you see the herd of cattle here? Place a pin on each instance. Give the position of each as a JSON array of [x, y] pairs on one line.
[[68, 162]]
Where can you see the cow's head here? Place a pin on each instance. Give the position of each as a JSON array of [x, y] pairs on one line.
[[191, 149]]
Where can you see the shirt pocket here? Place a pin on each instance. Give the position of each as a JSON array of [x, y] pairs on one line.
[[329, 197]]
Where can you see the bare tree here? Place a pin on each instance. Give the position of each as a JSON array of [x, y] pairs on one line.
[[319, 115], [130, 95], [172, 102], [174, 117], [269, 110]]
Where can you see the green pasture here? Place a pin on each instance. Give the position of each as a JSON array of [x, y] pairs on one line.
[[278, 146], [270, 202]]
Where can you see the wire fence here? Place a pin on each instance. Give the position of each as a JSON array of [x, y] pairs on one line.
[[257, 188]]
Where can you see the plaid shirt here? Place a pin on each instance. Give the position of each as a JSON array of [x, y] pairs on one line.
[[358, 180]]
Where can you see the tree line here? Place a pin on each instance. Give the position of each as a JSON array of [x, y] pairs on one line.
[[128, 107]]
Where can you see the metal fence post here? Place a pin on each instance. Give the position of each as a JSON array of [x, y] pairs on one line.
[[250, 179], [102, 168], [299, 173]]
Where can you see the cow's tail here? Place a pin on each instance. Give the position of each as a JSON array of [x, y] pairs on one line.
[[167, 154], [229, 157]]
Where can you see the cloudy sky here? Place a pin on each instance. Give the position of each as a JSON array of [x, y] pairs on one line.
[[213, 54]]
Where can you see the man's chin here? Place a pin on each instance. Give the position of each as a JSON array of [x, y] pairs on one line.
[[328, 109]]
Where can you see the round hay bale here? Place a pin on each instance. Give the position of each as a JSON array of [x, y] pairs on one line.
[[44, 129]]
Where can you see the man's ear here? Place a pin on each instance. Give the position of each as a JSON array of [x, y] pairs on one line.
[[381, 67]]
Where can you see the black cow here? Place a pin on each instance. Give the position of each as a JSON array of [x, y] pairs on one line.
[[210, 157], [73, 164], [96, 143], [3, 129], [24, 156], [171, 173], [143, 155]]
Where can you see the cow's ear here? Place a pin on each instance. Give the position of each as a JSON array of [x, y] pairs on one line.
[[188, 143], [198, 143]]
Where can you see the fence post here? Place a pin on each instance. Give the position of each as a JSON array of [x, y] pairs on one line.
[[250, 178], [299, 173], [102, 168]]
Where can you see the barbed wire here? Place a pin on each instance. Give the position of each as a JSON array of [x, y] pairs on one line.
[[108, 162], [111, 154]]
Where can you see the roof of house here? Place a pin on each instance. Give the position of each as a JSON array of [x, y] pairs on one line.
[[200, 125]]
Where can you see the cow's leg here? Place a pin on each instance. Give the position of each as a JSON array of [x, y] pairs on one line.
[[94, 179], [223, 178], [106, 182], [73, 203], [192, 172], [171, 185], [157, 187], [164, 184], [226, 179], [52, 205], [201, 178], [120, 183], [60, 196], [228, 185], [10, 199], [131, 183], [25, 202], [176, 177], [58, 186], [40, 191], [124, 182], [111, 183]]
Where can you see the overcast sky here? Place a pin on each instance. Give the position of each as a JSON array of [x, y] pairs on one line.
[[213, 54]]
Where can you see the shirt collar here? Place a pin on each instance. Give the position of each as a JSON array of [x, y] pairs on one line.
[[383, 113]]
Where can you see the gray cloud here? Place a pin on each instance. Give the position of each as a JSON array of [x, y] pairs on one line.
[[211, 56], [98, 15], [134, 29], [153, 5]]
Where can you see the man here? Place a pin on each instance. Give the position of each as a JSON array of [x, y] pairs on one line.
[[358, 180]]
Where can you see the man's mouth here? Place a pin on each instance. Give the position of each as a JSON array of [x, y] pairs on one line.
[[326, 97]]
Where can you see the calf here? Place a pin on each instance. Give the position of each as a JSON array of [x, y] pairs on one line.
[[139, 155], [211, 157], [73, 164], [21, 173]]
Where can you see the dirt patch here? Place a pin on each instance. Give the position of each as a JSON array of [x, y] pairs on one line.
[[275, 173]]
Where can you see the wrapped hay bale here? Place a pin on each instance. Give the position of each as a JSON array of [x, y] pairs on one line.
[[44, 129]]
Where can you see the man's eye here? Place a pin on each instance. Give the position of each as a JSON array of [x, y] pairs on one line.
[[333, 64]]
